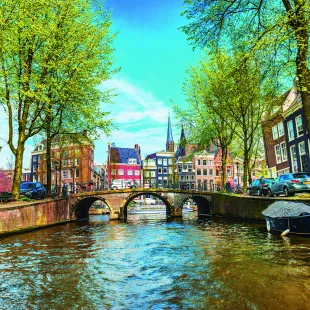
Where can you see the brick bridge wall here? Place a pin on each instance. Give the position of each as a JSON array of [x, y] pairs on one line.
[[25, 216]]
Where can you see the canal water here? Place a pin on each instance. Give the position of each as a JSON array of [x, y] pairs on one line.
[[152, 263]]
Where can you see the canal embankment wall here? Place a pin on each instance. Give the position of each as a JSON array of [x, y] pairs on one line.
[[25, 216], [246, 207]]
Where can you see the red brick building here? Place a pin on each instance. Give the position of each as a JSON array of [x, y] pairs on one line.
[[72, 165]]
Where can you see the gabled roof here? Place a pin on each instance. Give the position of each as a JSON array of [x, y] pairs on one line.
[[151, 156], [121, 155]]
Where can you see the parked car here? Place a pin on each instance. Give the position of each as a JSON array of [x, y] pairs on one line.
[[260, 186], [289, 184], [33, 190]]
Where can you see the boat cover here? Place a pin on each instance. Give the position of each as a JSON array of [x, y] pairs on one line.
[[287, 209]]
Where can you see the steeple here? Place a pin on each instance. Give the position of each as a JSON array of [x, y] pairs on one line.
[[182, 146], [170, 142]]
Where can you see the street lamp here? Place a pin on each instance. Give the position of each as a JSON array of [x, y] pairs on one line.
[[73, 178], [56, 177]]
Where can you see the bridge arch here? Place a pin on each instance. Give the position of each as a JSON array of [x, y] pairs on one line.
[[83, 205], [202, 202], [131, 197]]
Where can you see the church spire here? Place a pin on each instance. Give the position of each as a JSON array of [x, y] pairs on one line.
[[182, 145], [169, 142]]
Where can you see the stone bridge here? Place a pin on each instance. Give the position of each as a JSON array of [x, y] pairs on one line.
[[118, 201]]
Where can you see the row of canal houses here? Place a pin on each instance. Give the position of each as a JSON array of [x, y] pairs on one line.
[[286, 139], [186, 166]]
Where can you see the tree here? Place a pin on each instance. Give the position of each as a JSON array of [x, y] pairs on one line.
[[274, 30], [205, 122], [234, 93], [46, 52]]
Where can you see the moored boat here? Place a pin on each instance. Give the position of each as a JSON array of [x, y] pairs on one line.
[[288, 216]]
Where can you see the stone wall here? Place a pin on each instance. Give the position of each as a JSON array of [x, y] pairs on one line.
[[245, 207], [27, 216]]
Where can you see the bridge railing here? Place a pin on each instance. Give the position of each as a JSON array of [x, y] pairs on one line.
[[65, 191]]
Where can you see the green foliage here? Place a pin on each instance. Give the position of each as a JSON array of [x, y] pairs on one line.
[[53, 57], [274, 32]]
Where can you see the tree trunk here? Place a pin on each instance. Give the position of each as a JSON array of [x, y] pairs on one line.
[[18, 169], [48, 160], [224, 159], [245, 166]]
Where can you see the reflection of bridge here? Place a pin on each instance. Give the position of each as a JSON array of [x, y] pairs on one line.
[[118, 200]]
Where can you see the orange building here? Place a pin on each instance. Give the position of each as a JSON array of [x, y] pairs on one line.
[[72, 165]]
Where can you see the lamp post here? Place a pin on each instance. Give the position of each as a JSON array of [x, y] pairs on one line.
[[56, 177], [73, 178]]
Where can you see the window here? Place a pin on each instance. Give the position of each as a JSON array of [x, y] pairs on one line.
[[137, 172], [211, 172], [299, 127], [113, 171], [294, 158], [64, 174], [283, 151], [170, 161], [278, 153], [302, 148], [170, 170], [70, 152], [165, 170], [165, 161], [182, 178], [153, 174], [192, 177], [77, 173], [160, 161], [120, 171], [228, 172], [290, 130], [77, 161], [189, 167], [129, 172], [132, 160], [275, 132], [77, 151], [204, 162], [303, 156], [205, 171], [64, 163], [179, 168], [280, 129], [198, 171], [198, 162], [159, 170], [210, 162], [70, 173]]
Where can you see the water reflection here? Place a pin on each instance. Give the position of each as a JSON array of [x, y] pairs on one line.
[[154, 263]]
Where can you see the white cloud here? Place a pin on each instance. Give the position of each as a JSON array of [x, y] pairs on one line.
[[141, 118], [135, 104]]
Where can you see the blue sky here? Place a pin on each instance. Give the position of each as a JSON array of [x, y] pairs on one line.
[[153, 55]]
